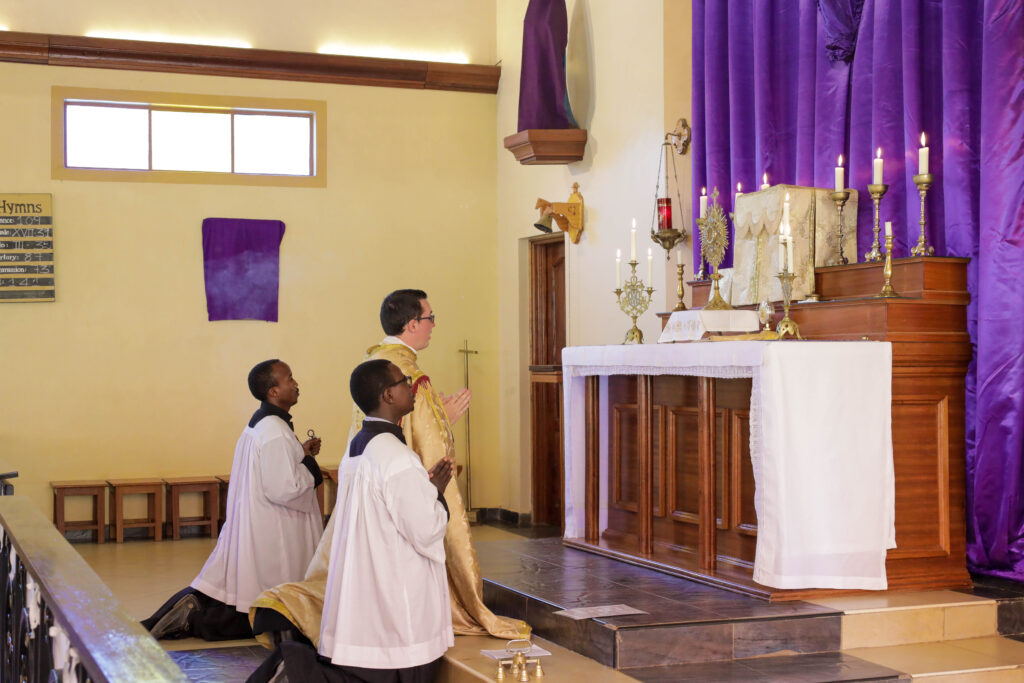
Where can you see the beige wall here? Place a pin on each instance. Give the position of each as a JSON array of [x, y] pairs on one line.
[[617, 82], [439, 25], [123, 375]]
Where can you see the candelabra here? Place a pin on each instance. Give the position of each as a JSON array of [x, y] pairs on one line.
[[887, 290], [877, 192], [840, 198], [923, 182], [787, 326], [680, 306], [714, 238], [636, 300]]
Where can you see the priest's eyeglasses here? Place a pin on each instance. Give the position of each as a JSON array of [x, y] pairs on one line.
[[425, 317]]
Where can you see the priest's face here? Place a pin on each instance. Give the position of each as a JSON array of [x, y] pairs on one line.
[[419, 328], [285, 393]]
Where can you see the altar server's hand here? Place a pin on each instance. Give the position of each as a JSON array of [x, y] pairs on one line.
[[311, 446], [441, 473], [456, 404]]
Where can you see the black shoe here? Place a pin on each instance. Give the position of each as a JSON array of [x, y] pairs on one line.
[[175, 624]]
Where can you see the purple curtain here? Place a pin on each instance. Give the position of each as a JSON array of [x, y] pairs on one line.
[[785, 86], [543, 97], [240, 263]]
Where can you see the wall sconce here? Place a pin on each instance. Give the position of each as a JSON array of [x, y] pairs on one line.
[[568, 215]]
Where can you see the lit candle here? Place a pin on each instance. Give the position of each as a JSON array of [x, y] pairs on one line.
[[789, 250], [785, 211], [618, 269], [739, 193], [632, 242], [888, 228], [876, 177], [650, 266], [703, 202], [922, 158], [840, 175], [764, 182], [782, 252]]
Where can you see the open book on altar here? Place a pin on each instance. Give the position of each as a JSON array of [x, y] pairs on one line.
[[756, 240]]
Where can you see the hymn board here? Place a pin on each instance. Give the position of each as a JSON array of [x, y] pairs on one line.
[[26, 248]]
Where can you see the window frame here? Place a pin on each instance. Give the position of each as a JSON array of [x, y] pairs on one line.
[[316, 110]]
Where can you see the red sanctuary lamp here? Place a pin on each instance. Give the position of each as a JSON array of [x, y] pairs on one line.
[[666, 236]]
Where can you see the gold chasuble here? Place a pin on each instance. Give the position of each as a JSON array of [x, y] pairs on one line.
[[429, 434]]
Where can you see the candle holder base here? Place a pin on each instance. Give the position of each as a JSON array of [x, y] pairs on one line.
[[887, 289], [923, 182], [680, 306], [634, 336], [877, 192], [787, 327]]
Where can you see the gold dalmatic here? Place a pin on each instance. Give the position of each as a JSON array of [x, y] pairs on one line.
[[429, 433]]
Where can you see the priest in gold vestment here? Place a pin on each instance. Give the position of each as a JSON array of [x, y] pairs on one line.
[[408, 320]]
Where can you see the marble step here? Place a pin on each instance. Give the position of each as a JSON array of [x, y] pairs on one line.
[[463, 663]]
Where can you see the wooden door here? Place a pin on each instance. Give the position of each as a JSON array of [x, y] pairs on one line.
[[547, 339]]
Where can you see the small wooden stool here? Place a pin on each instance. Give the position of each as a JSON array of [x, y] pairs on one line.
[[222, 489], [209, 487], [97, 488], [151, 488]]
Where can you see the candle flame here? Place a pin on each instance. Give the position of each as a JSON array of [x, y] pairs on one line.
[[764, 178], [634, 224], [879, 154], [650, 254], [703, 191], [922, 139], [840, 162], [787, 196], [618, 254], [739, 187]]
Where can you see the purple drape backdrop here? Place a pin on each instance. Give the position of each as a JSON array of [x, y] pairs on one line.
[[785, 86], [241, 266]]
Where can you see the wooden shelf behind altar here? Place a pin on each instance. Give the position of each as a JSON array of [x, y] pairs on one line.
[[661, 519]]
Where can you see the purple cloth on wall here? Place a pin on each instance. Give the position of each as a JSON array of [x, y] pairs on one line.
[[240, 262], [543, 98], [953, 69]]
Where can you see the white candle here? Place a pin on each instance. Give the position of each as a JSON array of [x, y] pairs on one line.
[[632, 242], [764, 182], [876, 177], [785, 211], [922, 157], [840, 175], [789, 250], [888, 228], [782, 253], [650, 266], [679, 256], [739, 193], [703, 202], [618, 269]]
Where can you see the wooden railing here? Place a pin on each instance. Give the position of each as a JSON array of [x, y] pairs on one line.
[[59, 621]]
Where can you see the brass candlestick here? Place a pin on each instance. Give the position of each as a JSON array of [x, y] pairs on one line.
[[680, 306], [636, 300], [877, 192], [923, 182], [887, 290], [840, 199], [786, 326], [714, 237]]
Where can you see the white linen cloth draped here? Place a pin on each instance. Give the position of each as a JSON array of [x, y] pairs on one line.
[[820, 445]]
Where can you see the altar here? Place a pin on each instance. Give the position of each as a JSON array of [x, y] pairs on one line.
[[784, 469]]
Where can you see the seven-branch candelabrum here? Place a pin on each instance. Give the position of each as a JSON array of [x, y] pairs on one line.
[[877, 192], [634, 298], [923, 182]]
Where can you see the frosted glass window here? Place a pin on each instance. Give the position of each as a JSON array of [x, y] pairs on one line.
[[191, 141], [278, 145], [106, 137]]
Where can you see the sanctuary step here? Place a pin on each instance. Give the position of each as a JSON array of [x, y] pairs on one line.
[[694, 632]]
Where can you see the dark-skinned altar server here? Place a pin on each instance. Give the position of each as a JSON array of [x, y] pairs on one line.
[[273, 521]]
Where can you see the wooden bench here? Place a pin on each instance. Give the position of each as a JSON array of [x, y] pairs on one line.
[[97, 488], [209, 487], [151, 488]]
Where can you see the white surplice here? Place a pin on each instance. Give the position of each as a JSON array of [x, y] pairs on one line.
[[386, 604], [273, 521]]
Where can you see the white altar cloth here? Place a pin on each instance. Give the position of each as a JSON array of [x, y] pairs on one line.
[[820, 445], [691, 325]]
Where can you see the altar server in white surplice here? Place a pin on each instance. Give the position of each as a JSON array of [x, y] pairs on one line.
[[387, 615], [273, 521]]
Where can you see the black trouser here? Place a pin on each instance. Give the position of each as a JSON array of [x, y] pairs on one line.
[[214, 620]]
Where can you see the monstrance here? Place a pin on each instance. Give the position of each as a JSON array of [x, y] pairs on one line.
[[714, 238]]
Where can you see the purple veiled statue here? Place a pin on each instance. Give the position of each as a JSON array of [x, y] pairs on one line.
[[543, 98]]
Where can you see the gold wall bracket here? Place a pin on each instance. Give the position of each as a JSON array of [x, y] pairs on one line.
[[568, 215]]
